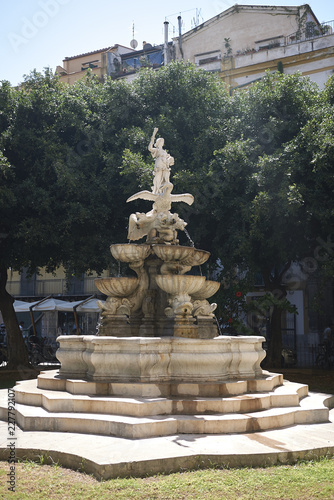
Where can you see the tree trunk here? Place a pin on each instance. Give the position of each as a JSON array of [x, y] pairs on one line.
[[274, 353], [273, 282], [17, 351]]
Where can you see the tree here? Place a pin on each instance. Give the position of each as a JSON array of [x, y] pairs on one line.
[[55, 209], [258, 187], [236, 161], [71, 155], [68, 159]]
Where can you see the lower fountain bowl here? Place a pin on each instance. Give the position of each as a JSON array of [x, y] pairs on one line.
[[117, 287], [176, 284], [208, 289]]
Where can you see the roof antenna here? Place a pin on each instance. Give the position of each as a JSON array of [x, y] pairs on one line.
[[133, 43], [179, 18]]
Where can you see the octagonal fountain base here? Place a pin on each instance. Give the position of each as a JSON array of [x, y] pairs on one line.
[[139, 387], [159, 359], [131, 406]]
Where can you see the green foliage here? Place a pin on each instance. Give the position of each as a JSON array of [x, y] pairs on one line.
[[328, 93], [231, 301], [252, 188], [135, 168], [184, 104], [71, 155], [259, 163]]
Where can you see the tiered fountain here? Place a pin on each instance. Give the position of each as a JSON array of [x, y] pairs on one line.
[[163, 313], [157, 365]]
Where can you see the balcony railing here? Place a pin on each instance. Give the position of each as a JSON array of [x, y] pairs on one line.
[[56, 286], [311, 30]]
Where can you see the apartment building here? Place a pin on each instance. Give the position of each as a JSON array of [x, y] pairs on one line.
[[101, 62], [244, 41]]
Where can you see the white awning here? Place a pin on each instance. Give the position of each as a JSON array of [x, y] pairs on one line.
[[56, 305], [87, 306]]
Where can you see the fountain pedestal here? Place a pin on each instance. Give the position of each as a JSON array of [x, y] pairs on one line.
[[171, 360]]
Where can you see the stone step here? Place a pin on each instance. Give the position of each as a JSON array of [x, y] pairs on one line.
[[32, 418], [288, 395], [51, 381]]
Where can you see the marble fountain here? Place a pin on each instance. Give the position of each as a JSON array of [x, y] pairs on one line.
[[157, 365]]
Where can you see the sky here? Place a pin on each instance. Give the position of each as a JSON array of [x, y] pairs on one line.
[[35, 34]]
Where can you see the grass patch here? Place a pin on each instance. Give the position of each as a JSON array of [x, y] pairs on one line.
[[6, 384], [302, 481]]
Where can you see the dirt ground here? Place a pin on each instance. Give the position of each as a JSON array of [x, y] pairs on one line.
[[317, 380]]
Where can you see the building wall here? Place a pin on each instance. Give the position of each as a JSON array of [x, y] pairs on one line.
[[259, 37], [313, 58], [244, 26], [44, 284], [74, 68]]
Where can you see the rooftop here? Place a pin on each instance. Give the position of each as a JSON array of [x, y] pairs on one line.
[[99, 51]]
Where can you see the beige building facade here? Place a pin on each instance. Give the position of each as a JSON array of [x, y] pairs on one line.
[[100, 63], [244, 41], [42, 284], [240, 43]]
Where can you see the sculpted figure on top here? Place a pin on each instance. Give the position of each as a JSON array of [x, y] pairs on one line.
[[159, 225], [163, 162]]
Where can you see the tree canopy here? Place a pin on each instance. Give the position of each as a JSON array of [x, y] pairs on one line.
[[259, 163]]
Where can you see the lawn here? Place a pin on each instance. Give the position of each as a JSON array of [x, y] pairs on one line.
[[302, 481]]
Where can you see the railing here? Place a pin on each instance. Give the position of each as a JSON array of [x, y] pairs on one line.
[[311, 31], [55, 286]]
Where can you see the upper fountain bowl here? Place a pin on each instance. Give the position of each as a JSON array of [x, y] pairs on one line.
[[187, 256], [129, 252], [172, 253]]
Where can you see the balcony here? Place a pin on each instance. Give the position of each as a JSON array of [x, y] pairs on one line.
[[310, 31], [56, 286]]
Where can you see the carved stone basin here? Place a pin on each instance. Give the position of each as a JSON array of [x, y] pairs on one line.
[[117, 287], [208, 289], [187, 256], [128, 252], [176, 284], [197, 258], [172, 253]]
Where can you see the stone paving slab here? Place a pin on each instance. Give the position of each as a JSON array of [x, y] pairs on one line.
[[107, 457]]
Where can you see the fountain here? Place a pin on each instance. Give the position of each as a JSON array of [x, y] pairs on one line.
[[163, 313], [157, 366]]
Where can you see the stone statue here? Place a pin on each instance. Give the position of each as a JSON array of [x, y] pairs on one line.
[[163, 162], [159, 225], [164, 199]]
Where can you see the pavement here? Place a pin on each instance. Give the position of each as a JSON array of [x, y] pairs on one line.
[[108, 457]]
